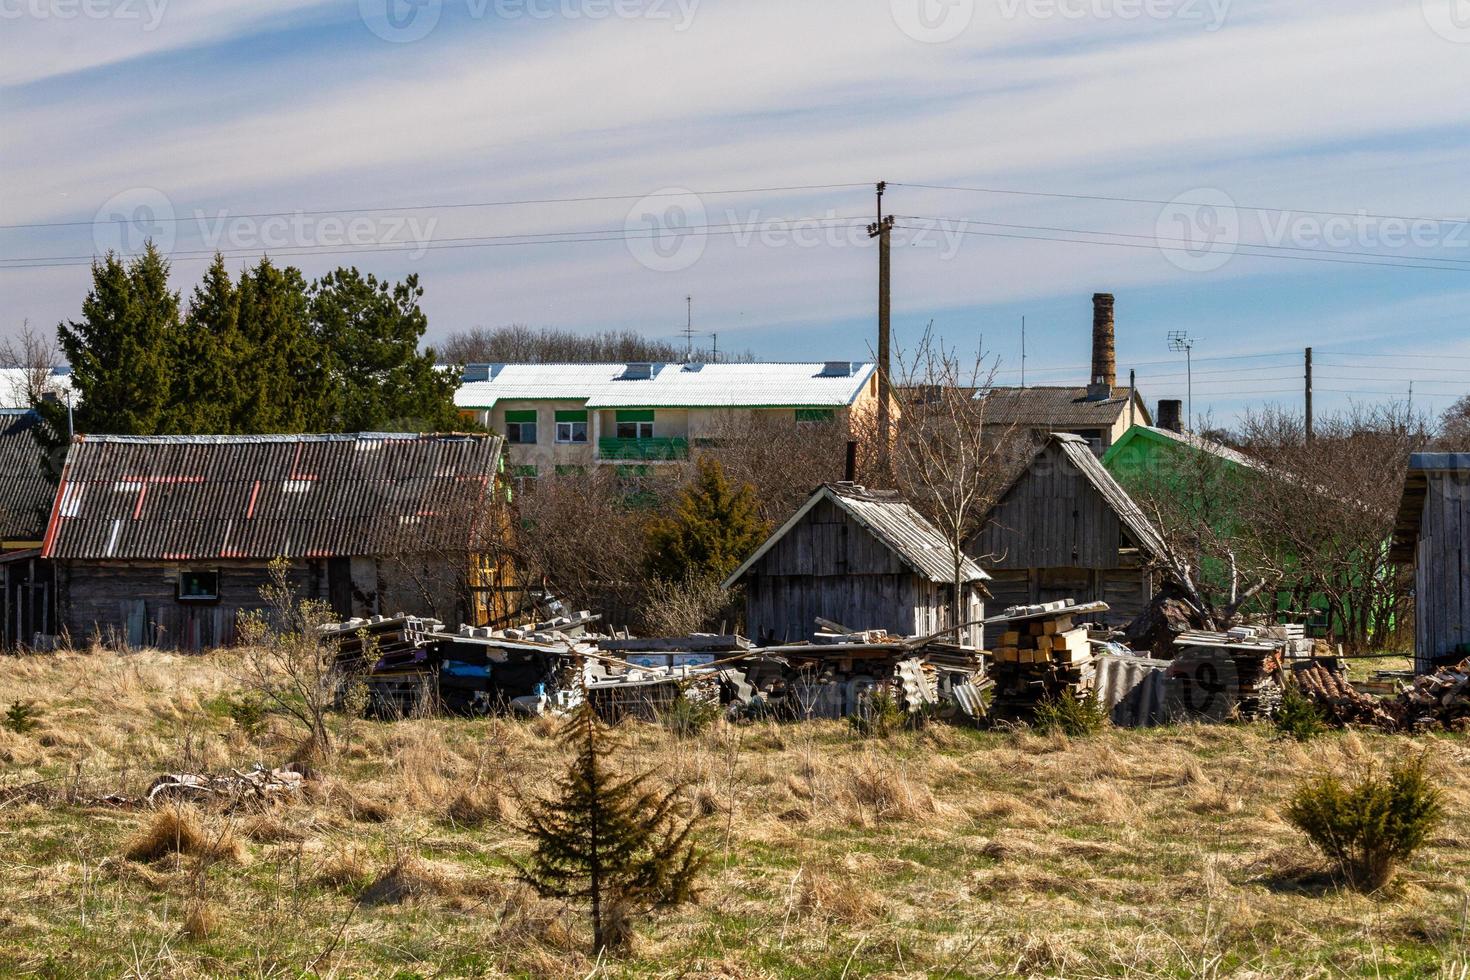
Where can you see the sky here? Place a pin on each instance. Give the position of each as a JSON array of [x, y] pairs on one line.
[[1256, 177]]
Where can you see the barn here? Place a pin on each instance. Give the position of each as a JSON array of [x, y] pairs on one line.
[[1063, 529], [166, 540], [1432, 533], [862, 558]]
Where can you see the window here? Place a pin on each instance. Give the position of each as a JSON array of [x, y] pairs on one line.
[[815, 415], [520, 427], [635, 430], [571, 427], [198, 586]]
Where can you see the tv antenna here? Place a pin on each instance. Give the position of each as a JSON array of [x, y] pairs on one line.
[[1180, 340]]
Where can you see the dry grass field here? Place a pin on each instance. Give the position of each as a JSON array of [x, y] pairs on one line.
[[945, 853]]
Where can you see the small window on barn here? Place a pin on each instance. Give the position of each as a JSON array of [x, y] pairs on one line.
[[198, 586]]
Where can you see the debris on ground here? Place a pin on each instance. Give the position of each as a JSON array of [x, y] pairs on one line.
[[231, 789], [1225, 676]]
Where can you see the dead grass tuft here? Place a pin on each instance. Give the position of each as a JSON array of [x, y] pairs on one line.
[[200, 921], [885, 792], [410, 878], [179, 830], [347, 868], [837, 896], [478, 806]]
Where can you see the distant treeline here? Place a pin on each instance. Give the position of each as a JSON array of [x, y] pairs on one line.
[[518, 344]]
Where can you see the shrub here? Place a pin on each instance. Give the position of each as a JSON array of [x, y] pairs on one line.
[[248, 712], [1299, 717], [1369, 828], [22, 716], [1073, 716], [878, 715], [685, 718]]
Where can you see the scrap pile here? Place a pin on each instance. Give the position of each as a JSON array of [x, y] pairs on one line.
[[1441, 699], [1043, 655], [1342, 703], [1227, 676], [1432, 701]]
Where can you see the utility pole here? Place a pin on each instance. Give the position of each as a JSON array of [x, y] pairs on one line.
[[1132, 397], [714, 355], [1180, 340], [1023, 350], [881, 230], [1309, 394]]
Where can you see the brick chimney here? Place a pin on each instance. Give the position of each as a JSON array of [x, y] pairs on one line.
[[1104, 359]]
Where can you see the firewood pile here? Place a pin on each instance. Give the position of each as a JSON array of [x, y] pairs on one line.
[[1440, 700], [1042, 655]]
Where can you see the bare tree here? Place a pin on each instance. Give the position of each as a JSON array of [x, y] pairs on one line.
[[951, 456], [37, 356], [520, 344], [1454, 428]]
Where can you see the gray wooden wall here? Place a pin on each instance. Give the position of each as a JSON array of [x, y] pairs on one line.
[[829, 565], [1126, 590], [1442, 568], [1053, 517]]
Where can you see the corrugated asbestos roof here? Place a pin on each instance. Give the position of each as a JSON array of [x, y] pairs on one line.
[[1140, 529], [1065, 407], [1196, 441], [1416, 490], [891, 520], [262, 497], [25, 491], [785, 385]]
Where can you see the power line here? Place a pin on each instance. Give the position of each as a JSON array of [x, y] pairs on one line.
[[1188, 242], [464, 204], [1145, 200], [1434, 357]]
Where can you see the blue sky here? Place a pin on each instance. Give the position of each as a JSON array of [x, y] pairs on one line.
[[1226, 125]]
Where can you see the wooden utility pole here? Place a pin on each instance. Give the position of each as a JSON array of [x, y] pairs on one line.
[[881, 230], [1309, 394]]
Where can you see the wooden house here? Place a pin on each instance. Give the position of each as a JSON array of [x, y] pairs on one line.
[[1063, 529], [167, 540], [27, 490], [1432, 532], [862, 558]]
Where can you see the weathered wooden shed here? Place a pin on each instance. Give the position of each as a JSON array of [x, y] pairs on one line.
[[1432, 532], [1064, 528], [859, 557], [166, 540], [27, 489]]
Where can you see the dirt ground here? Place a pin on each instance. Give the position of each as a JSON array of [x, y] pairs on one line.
[[946, 852]]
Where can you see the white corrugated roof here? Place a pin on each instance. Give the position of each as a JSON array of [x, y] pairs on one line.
[[779, 385], [13, 386]]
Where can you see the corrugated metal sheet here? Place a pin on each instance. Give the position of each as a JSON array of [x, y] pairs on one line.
[[781, 385], [1140, 530], [1132, 689], [26, 491], [1064, 407], [176, 497]]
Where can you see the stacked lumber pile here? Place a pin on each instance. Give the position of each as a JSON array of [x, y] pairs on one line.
[[1043, 655], [381, 643], [1226, 676]]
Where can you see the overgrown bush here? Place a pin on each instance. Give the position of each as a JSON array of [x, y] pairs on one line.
[[1299, 717], [685, 718], [878, 715], [22, 716], [1073, 716], [1368, 828]]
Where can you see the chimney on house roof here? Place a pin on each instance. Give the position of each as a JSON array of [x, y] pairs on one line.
[[1104, 358], [1170, 410]]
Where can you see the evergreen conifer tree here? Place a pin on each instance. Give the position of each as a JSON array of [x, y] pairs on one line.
[[283, 386], [613, 842], [205, 396], [121, 349], [713, 528]]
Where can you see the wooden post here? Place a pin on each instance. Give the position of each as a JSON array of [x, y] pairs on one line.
[[881, 230]]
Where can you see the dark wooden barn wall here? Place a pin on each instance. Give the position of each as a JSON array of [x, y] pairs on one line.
[[1052, 518], [1442, 568], [829, 542]]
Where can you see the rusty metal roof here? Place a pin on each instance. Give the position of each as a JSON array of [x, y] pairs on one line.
[[1057, 407], [26, 492], [890, 519], [262, 497]]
